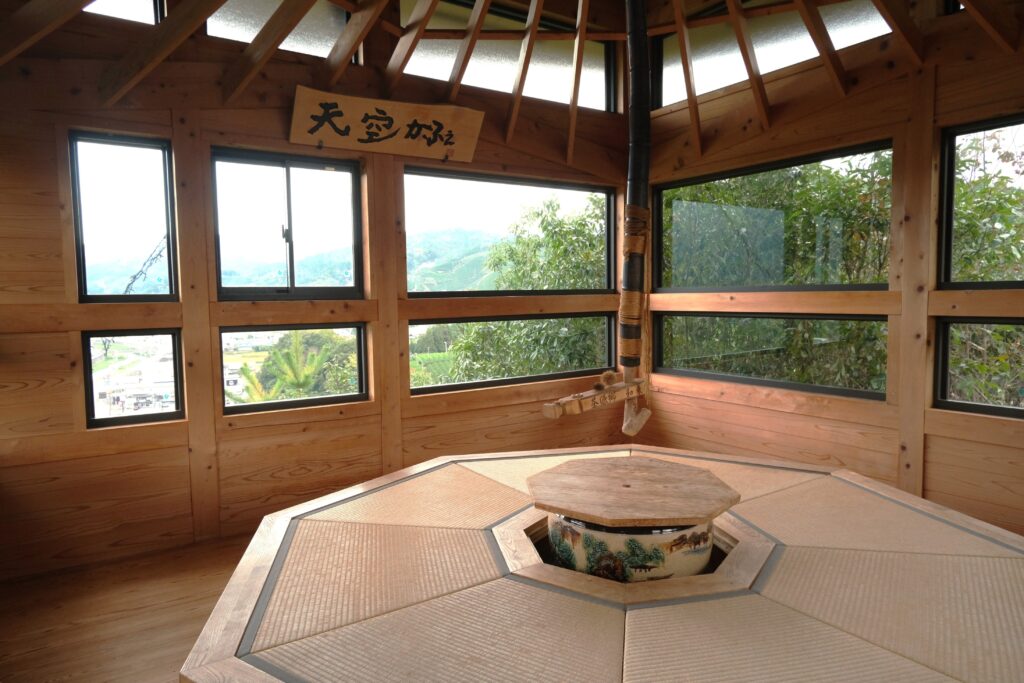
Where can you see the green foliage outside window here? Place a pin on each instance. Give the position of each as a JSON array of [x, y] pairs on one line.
[[986, 364]]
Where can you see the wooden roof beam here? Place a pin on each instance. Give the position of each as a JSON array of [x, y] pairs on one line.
[[118, 79], [408, 41], [475, 24], [902, 24], [997, 20], [358, 26], [577, 71], [32, 22], [686, 57], [739, 26], [352, 7], [525, 52], [823, 42], [257, 53]]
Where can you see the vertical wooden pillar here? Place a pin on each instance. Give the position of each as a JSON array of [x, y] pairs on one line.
[[191, 168], [385, 254], [919, 167]]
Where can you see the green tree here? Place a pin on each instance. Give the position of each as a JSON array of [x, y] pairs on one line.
[[254, 391], [309, 363]]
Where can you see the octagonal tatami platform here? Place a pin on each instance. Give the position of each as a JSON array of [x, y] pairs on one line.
[[431, 573]]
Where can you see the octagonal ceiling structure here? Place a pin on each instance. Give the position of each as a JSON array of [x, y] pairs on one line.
[[432, 573]]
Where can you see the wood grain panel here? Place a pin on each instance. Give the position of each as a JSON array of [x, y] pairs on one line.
[[265, 469], [61, 514], [983, 480]]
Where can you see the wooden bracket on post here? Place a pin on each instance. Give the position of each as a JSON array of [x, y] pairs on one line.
[[576, 404]]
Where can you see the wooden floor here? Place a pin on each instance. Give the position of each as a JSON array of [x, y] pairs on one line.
[[131, 621]]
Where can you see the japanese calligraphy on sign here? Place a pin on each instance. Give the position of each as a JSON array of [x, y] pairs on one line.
[[325, 119]]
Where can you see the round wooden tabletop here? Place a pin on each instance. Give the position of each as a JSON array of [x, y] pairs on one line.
[[632, 492]]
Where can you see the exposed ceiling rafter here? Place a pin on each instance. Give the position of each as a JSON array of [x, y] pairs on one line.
[[739, 26], [32, 22], [902, 24], [476, 23], [358, 26], [577, 75], [525, 52], [408, 41], [823, 42], [998, 20], [686, 57]]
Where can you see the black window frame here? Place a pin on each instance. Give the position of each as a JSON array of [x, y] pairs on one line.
[[947, 185], [789, 162], [291, 293], [611, 341], [164, 145], [93, 422], [610, 236], [658, 364], [941, 380], [289, 404]]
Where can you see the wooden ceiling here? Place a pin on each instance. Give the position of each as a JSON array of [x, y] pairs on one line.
[[594, 20]]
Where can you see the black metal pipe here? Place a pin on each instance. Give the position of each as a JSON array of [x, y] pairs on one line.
[[638, 175]]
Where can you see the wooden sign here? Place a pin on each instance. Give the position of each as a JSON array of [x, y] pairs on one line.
[[433, 131]]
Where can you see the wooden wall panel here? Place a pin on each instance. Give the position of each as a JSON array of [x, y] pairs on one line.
[[982, 479], [265, 469], [58, 514]]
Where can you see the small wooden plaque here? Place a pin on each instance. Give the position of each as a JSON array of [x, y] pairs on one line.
[[633, 491]]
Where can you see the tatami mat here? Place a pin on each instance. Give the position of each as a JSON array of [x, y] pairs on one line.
[[499, 631], [831, 513], [963, 616], [750, 481], [515, 471], [750, 638], [336, 574], [437, 499]]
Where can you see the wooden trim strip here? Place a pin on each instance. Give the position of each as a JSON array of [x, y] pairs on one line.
[[257, 53], [118, 79], [525, 51], [834, 302], [238, 313], [976, 427], [902, 24], [338, 412], [483, 306], [476, 23], [32, 22], [22, 318], [361, 21], [982, 303], [577, 70], [739, 25], [823, 42]]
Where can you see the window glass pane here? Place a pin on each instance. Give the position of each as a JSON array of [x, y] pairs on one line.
[[822, 223], [450, 353], [252, 210], [465, 235], [132, 375], [986, 364], [846, 354], [988, 206], [780, 40], [123, 218], [315, 35], [134, 10], [494, 63], [287, 365], [322, 215]]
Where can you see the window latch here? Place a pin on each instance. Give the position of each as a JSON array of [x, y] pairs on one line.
[[286, 234]]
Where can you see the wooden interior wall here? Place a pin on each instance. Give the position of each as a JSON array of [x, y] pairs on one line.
[[972, 463], [72, 495]]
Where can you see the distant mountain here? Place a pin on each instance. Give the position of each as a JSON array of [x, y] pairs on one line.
[[449, 261]]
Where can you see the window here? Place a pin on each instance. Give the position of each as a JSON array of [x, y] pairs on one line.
[[124, 219], [314, 35], [494, 63], [780, 40], [287, 228], [469, 354], [272, 368], [981, 365], [487, 235], [142, 11], [983, 206], [812, 224], [132, 377], [830, 355]]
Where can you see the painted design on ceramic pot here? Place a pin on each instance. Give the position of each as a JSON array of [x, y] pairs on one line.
[[630, 554]]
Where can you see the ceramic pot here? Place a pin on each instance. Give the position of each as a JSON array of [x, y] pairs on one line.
[[630, 554]]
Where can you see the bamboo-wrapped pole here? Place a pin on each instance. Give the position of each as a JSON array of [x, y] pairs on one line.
[[637, 219]]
